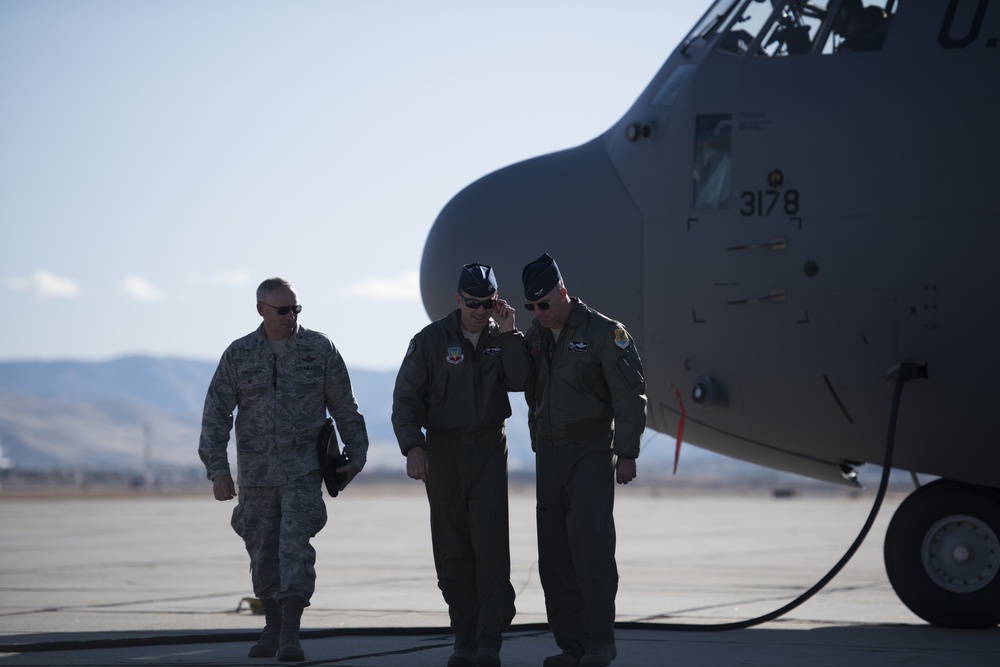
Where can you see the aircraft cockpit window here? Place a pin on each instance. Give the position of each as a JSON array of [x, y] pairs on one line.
[[794, 29], [743, 30], [710, 23], [857, 27], [712, 161], [770, 28]]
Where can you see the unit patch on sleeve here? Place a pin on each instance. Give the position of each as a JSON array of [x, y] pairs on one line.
[[621, 338]]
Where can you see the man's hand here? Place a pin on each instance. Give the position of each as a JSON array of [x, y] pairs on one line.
[[416, 463], [503, 313], [350, 471], [223, 487], [625, 470]]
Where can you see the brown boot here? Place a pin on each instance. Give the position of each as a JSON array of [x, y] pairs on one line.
[[267, 644], [289, 649]]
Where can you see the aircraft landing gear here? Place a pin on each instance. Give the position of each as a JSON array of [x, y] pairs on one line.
[[942, 554]]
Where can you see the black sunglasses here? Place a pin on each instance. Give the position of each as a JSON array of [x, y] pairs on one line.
[[284, 310], [544, 305], [474, 303]]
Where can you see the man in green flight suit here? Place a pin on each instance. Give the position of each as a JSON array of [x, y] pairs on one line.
[[586, 405], [453, 384]]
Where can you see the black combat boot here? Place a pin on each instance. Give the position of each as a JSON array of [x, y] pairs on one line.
[[267, 644], [289, 649]]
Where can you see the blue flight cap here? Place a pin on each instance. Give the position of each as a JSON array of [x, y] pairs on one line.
[[477, 280], [539, 277]]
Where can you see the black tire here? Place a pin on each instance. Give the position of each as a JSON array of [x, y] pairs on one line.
[[942, 554]]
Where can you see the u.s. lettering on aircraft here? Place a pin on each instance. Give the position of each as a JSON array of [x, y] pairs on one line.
[[798, 223]]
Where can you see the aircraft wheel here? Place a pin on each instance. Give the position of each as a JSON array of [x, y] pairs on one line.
[[942, 554]]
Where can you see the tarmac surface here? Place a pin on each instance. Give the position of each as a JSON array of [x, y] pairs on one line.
[[157, 579]]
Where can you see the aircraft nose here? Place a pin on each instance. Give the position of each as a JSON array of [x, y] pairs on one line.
[[570, 204]]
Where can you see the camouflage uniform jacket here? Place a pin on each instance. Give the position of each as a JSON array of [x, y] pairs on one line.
[[444, 385], [589, 382], [282, 402]]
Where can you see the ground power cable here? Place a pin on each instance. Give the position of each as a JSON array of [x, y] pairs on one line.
[[902, 373]]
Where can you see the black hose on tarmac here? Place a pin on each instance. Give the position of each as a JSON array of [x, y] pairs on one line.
[[903, 373]]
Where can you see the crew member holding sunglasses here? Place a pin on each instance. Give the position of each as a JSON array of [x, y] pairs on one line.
[[283, 378], [453, 384], [586, 405]]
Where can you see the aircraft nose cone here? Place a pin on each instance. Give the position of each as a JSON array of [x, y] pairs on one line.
[[570, 204]]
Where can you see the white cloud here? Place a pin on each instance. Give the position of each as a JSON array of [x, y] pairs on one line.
[[402, 288], [234, 278], [223, 278], [45, 284], [140, 289]]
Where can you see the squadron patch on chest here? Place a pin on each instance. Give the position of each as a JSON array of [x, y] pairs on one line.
[[621, 338], [491, 351], [455, 355], [578, 346]]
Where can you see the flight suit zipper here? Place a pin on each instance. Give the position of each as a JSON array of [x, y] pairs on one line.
[[548, 349], [476, 398]]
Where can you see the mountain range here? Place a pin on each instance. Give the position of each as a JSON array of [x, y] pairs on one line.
[[142, 413]]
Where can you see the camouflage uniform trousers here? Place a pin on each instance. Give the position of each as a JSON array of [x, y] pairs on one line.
[[276, 524]]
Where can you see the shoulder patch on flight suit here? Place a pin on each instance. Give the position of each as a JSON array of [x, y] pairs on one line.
[[621, 338], [578, 346], [455, 355], [410, 348], [491, 351]]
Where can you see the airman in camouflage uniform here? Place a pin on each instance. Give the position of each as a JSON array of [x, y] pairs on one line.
[[586, 404], [453, 383], [281, 380]]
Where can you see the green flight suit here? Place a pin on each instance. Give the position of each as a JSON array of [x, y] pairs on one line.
[[586, 403], [458, 395]]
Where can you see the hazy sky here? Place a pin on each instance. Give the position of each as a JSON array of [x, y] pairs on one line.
[[158, 158]]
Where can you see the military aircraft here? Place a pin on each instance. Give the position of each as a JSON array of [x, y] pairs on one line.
[[799, 202]]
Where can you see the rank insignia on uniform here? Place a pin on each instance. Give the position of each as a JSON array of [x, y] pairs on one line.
[[621, 338], [578, 346], [409, 350], [491, 351], [455, 355]]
